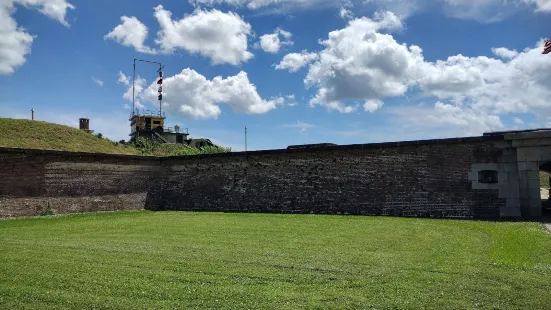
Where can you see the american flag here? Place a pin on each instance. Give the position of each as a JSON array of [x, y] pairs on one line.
[[547, 47]]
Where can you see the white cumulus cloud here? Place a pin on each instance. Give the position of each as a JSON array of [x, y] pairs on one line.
[[55, 9], [220, 36], [504, 53], [294, 61], [372, 105], [345, 13], [131, 32], [138, 88], [485, 11], [15, 42], [193, 96], [360, 63], [279, 5], [271, 43]]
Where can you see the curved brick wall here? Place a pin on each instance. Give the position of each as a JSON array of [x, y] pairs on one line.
[[419, 178]]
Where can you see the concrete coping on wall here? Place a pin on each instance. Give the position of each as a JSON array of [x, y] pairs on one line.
[[538, 133], [24, 151], [265, 152], [351, 147]]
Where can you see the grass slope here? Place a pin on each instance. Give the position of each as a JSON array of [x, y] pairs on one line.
[[21, 133], [168, 260]]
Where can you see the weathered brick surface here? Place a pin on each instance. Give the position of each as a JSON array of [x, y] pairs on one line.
[[408, 180], [401, 179], [31, 182]]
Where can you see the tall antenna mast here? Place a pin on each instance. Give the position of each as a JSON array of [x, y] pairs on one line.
[[159, 82]]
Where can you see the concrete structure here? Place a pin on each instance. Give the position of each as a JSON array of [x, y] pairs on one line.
[[151, 125], [491, 176], [522, 155]]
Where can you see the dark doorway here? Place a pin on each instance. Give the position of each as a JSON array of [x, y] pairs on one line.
[[545, 188]]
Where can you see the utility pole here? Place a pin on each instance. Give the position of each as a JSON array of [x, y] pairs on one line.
[[32, 114]]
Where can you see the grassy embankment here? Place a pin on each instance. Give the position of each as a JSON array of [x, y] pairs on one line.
[[22, 133]]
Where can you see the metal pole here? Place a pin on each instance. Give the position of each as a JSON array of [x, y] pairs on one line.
[[133, 87], [32, 114], [161, 101], [245, 138], [133, 84]]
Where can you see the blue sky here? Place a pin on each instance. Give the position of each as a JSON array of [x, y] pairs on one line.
[[293, 72]]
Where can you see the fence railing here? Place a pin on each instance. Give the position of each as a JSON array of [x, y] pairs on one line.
[[180, 130], [143, 112]]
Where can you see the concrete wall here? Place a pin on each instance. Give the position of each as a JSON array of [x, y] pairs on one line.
[[32, 181], [423, 178]]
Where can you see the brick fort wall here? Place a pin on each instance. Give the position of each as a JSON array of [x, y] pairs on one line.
[[420, 178], [33, 182]]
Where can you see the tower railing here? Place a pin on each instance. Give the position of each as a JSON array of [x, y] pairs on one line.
[[143, 112]]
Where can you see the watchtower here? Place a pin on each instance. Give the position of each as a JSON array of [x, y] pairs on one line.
[[146, 121]]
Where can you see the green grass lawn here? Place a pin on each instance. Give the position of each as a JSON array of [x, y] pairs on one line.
[[168, 260]]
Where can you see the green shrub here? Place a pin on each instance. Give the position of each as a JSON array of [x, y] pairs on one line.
[[154, 148], [544, 179]]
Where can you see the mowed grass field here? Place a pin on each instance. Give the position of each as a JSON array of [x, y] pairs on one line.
[[178, 260]]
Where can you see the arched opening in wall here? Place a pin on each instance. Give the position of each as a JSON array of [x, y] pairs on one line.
[[545, 187]]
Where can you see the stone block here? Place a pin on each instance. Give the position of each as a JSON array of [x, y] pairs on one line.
[[473, 176], [477, 185], [509, 212], [507, 166], [531, 142], [528, 135], [513, 203], [512, 176], [533, 175], [510, 158], [528, 154], [528, 165], [534, 186], [484, 166], [545, 153], [509, 190]]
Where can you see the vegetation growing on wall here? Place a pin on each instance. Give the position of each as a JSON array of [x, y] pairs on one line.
[[544, 179], [148, 147]]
